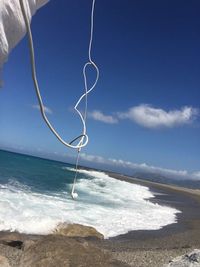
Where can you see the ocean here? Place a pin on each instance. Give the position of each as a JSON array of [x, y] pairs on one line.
[[35, 198]]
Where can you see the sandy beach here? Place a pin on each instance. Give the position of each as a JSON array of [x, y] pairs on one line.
[[140, 248]]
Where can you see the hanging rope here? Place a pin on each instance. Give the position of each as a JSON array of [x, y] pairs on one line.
[[90, 62], [83, 137]]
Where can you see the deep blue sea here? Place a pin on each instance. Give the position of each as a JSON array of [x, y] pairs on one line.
[[35, 198]]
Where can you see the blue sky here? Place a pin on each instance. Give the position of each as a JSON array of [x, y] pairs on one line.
[[145, 109]]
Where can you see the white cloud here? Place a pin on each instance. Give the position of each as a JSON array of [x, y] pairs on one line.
[[149, 168], [143, 167], [151, 117], [99, 116], [196, 175], [46, 109], [92, 158], [179, 174]]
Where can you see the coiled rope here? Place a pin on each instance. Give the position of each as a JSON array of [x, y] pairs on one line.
[[83, 137]]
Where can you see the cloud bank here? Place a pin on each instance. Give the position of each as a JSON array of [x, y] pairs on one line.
[[99, 116], [46, 109], [150, 117], [142, 167]]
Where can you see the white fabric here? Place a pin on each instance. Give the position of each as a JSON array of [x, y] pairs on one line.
[[12, 26]]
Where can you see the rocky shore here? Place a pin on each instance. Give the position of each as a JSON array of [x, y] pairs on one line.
[[68, 246], [82, 246], [77, 245]]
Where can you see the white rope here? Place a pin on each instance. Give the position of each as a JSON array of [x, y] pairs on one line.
[[83, 137], [74, 195], [87, 91]]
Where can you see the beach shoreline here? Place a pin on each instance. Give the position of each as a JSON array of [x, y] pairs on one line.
[[148, 248], [158, 247], [183, 199]]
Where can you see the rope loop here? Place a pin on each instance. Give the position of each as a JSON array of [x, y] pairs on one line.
[[83, 137], [84, 140]]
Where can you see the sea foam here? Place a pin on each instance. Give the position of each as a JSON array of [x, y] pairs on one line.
[[112, 206]]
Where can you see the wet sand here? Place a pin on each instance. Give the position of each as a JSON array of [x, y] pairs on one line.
[[156, 247]]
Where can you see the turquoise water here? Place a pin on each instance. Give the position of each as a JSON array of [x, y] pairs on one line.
[[35, 198], [41, 175]]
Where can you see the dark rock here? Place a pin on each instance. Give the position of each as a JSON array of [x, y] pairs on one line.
[[13, 243], [189, 260], [9, 236]]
